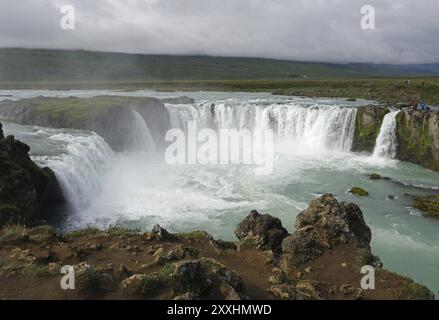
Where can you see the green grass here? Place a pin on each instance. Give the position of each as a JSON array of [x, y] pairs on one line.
[[89, 281], [161, 279], [195, 235], [87, 232], [387, 90], [393, 90], [122, 231], [415, 291], [75, 112], [11, 233]]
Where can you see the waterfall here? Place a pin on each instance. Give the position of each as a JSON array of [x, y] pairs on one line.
[[141, 135], [79, 167], [385, 146], [318, 127]]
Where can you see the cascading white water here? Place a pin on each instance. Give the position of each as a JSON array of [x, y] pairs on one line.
[[386, 144], [317, 127], [79, 167], [82, 165], [141, 135]]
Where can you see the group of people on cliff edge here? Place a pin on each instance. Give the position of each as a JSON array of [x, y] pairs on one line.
[[417, 105]]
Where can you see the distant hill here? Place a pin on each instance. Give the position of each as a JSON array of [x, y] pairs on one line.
[[28, 65]]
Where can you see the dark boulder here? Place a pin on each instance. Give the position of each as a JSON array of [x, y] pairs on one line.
[[301, 246], [161, 234], [207, 276], [336, 222], [325, 224], [191, 276], [266, 231], [27, 192]]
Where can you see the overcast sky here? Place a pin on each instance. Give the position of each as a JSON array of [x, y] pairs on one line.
[[407, 31]]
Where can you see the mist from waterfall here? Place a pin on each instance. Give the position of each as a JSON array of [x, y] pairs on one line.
[[80, 168], [141, 137], [95, 180]]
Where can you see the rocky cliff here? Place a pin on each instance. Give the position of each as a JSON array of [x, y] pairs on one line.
[[417, 134], [367, 127], [110, 117], [27, 192], [418, 138], [322, 259]]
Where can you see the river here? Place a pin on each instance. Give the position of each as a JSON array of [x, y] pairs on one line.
[[137, 189]]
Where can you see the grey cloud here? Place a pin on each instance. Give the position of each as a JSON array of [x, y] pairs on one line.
[[311, 30]]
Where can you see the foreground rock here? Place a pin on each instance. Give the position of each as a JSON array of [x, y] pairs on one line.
[[27, 192], [324, 225], [322, 259], [265, 231]]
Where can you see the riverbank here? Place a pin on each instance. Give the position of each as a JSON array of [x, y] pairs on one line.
[[384, 90], [319, 260]]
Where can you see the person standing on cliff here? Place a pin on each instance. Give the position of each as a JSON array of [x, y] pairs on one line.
[[413, 105]]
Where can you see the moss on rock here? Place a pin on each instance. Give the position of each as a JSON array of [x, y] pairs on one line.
[[359, 192], [375, 176], [367, 127], [417, 135], [428, 205]]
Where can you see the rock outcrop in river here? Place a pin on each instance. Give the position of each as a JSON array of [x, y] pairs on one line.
[[322, 259], [27, 192], [428, 205]]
